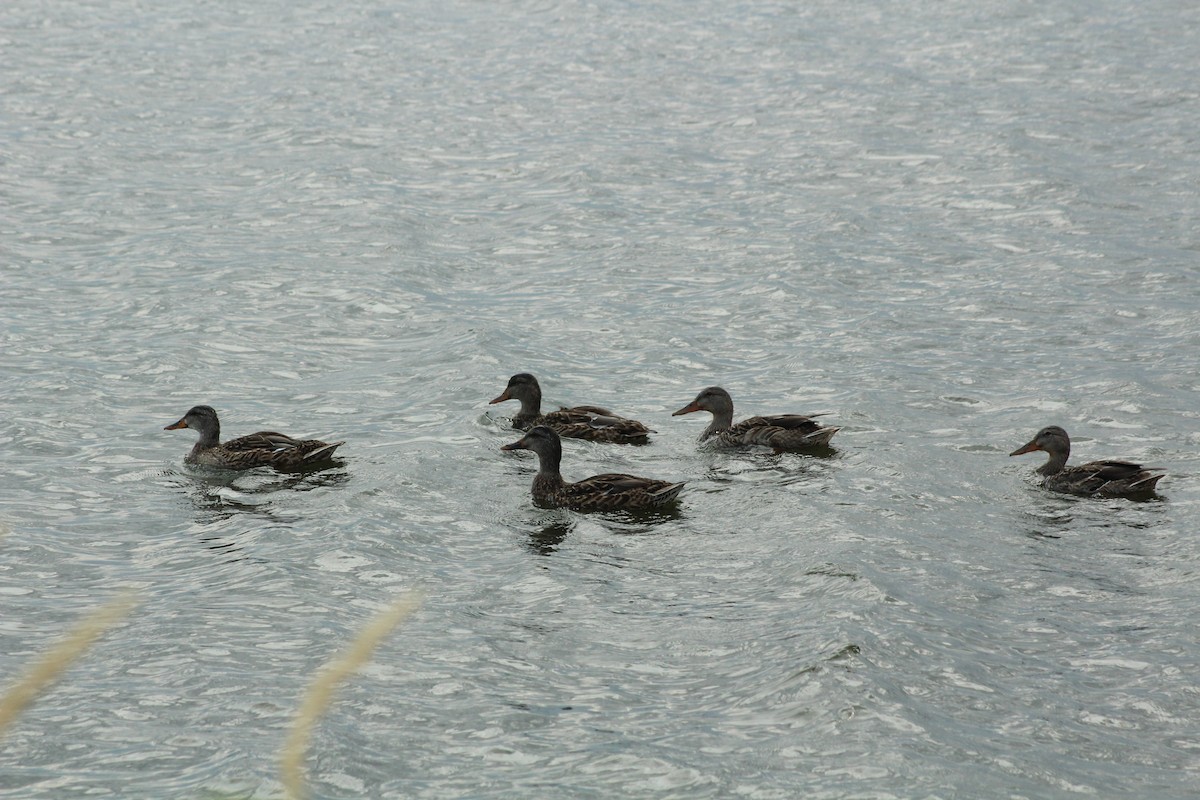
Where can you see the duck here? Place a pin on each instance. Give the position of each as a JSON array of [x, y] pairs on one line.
[[262, 449], [1094, 479], [593, 423], [607, 492], [781, 432]]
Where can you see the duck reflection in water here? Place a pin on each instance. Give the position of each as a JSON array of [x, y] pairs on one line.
[[1063, 515], [545, 540], [221, 494]]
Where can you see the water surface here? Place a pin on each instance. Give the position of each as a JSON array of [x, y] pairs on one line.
[[946, 225]]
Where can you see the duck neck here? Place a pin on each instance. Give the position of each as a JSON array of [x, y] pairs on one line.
[[531, 404], [722, 421], [549, 476], [1056, 462], [209, 438]]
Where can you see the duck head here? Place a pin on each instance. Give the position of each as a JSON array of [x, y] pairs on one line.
[[523, 387], [540, 439], [714, 400], [202, 419], [1050, 439]]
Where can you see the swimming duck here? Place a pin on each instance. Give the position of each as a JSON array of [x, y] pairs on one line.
[[262, 449], [580, 422], [1099, 478], [608, 492], [780, 432]]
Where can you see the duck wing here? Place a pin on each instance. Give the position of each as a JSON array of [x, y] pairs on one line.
[[596, 424], [1112, 478], [781, 432], [262, 440], [596, 411], [614, 491], [271, 448]]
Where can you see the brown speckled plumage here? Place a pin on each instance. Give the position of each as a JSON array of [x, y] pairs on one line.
[[782, 432], [579, 422], [1096, 478], [608, 492], [262, 449]]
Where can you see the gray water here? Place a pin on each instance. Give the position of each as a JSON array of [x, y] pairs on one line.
[[945, 224]]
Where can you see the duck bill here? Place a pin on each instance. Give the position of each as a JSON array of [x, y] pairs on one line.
[[503, 396], [689, 408], [1029, 448], [176, 425], [519, 445]]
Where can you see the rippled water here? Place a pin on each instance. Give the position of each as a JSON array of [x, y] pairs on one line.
[[946, 224]]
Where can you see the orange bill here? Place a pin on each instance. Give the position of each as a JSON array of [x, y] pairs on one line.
[[1029, 448]]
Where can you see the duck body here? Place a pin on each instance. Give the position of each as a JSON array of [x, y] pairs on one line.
[[262, 449], [578, 422], [1093, 479], [780, 432], [607, 492]]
